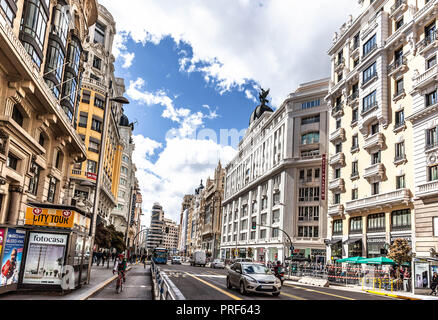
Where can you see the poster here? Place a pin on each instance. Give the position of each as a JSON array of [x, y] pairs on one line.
[[45, 258], [2, 236], [13, 253], [421, 275]]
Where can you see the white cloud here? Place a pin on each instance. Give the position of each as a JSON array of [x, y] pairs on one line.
[[128, 58], [277, 43], [178, 171]]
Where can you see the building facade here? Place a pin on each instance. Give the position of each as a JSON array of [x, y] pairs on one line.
[[41, 45], [263, 186], [184, 223], [155, 235], [170, 236]]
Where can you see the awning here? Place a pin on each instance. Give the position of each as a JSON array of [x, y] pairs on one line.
[[332, 242], [353, 240]]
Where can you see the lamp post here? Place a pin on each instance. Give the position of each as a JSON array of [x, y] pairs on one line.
[[121, 100]]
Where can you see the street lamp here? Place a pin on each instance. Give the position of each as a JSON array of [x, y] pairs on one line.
[[121, 100]]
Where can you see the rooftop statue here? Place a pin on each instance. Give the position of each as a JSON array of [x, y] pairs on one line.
[[263, 96]]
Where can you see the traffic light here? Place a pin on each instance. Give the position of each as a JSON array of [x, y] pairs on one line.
[[254, 226]]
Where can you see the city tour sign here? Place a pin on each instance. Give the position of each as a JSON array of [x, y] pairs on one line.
[[50, 217]]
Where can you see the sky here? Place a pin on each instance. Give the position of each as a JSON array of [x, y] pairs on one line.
[[193, 70]]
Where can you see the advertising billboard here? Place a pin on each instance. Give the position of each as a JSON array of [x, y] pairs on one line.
[[12, 255], [45, 258], [2, 236], [49, 217]]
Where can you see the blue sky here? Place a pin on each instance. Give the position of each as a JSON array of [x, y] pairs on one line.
[[197, 65]]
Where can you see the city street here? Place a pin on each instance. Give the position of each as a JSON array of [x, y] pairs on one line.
[[198, 283], [137, 286]]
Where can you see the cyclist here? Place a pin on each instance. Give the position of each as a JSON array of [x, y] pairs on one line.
[[120, 266]]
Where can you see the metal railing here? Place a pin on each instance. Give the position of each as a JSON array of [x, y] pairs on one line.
[[164, 289]]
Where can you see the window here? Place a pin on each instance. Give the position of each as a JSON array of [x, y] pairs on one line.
[[41, 140], [264, 219], [431, 138], [399, 23], [369, 102], [93, 146], [59, 160], [8, 10], [355, 142], [125, 159], [317, 174], [433, 173], [34, 24], [276, 216], [337, 173], [354, 194], [92, 166], [243, 236], [123, 182], [337, 198], [355, 115], [399, 151], [338, 123], [83, 120], [52, 190], [12, 162], [401, 220], [375, 188], [244, 225], [276, 199], [337, 227], [356, 225], [275, 233], [74, 54], [401, 182], [310, 138], [376, 158], [124, 170], [99, 33], [374, 128], [376, 222], [399, 118], [86, 96], [369, 73], [17, 116], [355, 168], [55, 60], [308, 213], [97, 62], [96, 125], [123, 193], [431, 98], [429, 33], [369, 46], [98, 102], [311, 104], [338, 148], [309, 120], [431, 62], [399, 89], [263, 234], [309, 194]]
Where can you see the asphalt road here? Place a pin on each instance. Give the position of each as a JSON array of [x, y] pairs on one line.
[[138, 286], [198, 283]]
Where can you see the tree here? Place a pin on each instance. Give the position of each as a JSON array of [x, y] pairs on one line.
[[103, 236], [117, 239], [401, 252]]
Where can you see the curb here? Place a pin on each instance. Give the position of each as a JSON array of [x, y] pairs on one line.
[[391, 295], [102, 285]]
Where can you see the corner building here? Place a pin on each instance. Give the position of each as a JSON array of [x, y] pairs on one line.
[[372, 150], [277, 181]]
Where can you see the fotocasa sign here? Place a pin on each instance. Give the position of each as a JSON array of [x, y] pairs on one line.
[[44, 217]]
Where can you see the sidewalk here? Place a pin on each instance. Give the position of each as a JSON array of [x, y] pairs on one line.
[[398, 294], [100, 277]]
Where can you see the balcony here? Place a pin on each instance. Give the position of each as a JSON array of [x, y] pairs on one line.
[[399, 65], [376, 171], [379, 201], [431, 146], [427, 43], [423, 80], [399, 7], [339, 134], [369, 108], [370, 79], [340, 64], [337, 185], [354, 50], [352, 98], [400, 159], [427, 189], [376, 141], [338, 110], [335, 210], [337, 160], [372, 49]]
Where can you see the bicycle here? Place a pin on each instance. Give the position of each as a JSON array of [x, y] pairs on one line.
[[119, 284]]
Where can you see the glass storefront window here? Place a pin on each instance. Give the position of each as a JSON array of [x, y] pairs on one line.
[[401, 219], [355, 249]]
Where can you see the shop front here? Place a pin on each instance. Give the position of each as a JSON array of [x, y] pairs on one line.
[[50, 252], [318, 256], [335, 249], [355, 247], [376, 247], [424, 268]]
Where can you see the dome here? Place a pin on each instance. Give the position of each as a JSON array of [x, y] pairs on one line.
[[258, 112], [124, 121]]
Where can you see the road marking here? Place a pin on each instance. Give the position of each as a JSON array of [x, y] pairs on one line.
[[291, 296], [214, 287], [210, 276], [322, 292]]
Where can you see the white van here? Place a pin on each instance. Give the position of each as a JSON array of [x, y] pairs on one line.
[[198, 259]]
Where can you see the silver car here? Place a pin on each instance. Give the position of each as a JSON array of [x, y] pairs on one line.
[[218, 263], [252, 277]]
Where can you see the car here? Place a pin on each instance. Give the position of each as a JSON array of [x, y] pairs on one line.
[[253, 277], [218, 263], [176, 260]]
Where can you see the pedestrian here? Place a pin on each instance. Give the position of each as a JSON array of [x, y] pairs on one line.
[[434, 283], [406, 280], [99, 257]]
